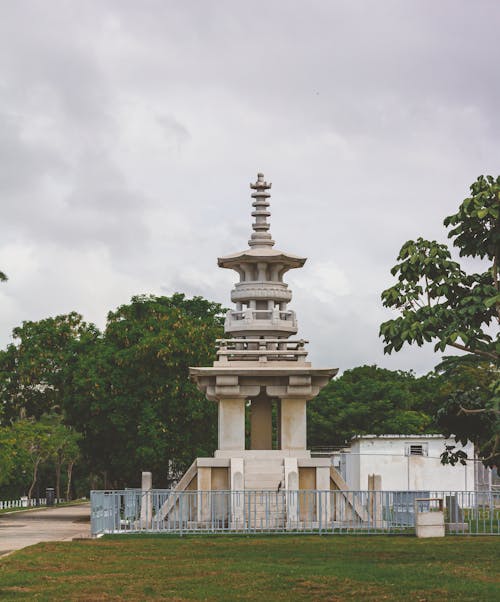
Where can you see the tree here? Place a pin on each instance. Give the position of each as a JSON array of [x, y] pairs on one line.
[[370, 400], [70, 455], [36, 370], [132, 399], [436, 298], [7, 454], [3, 277], [65, 450], [33, 439], [438, 301]]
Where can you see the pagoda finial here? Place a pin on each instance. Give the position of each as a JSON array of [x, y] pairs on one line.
[[261, 237]]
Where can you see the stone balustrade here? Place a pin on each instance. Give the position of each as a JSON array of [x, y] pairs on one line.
[[261, 320], [260, 350]]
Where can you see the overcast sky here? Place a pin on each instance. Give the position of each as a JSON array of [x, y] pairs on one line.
[[130, 131]]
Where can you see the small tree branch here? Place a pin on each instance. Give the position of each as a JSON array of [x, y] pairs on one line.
[[496, 282], [494, 451], [479, 411], [492, 356], [427, 291]]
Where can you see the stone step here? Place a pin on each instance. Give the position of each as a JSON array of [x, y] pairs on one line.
[[264, 470], [264, 479], [263, 462]]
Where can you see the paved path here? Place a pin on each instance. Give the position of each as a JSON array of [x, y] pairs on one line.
[[22, 529]]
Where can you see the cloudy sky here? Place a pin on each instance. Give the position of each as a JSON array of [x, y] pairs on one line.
[[130, 130]]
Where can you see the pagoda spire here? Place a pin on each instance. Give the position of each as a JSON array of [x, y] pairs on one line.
[[261, 237]]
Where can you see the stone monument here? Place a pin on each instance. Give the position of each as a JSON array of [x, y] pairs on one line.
[[261, 378]]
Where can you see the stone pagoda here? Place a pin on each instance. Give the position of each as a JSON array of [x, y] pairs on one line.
[[261, 377]]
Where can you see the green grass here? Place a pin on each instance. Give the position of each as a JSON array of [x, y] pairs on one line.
[[280, 567]]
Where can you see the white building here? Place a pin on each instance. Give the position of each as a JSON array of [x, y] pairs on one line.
[[405, 463]]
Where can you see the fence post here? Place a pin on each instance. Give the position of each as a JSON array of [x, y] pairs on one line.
[[146, 501]]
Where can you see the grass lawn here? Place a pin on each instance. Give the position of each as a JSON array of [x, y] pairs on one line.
[[269, 568]]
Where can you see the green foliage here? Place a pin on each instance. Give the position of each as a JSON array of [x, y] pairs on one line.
[[36, 370], [471, 424], [28, 446], [468, 406], [34, 444], [371, 400], [476, 225], [438, 301], [7, 455], [3, 277], [132, 398], [123, 398]]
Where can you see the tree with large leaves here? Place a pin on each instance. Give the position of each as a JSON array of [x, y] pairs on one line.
[[438, 301]]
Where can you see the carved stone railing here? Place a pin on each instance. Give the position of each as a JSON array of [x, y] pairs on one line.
[[261, 350], [261, 320]]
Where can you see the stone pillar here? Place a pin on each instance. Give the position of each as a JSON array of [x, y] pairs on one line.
[[292, 491], [204, 488], [375, 502], [261, 423], [232, 424], [307, 500], [146, 500], [237, 481], [323, 509], [278, 423], [293, 423]]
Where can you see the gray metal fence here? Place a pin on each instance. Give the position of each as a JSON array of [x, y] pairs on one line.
[[360, 512]]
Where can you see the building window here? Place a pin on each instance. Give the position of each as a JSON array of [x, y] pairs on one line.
[[416, 449]]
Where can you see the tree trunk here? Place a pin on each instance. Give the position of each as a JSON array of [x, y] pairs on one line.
[[35, 476], [58, 479], [69, 472]]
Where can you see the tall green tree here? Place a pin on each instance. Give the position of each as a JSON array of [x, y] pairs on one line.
[[34, 441], [65, 450], [439, 301], [371, 400], [132, 399], [7, 454], [36, 369]]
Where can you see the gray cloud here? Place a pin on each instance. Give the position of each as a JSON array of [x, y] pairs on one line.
[[129, 133]]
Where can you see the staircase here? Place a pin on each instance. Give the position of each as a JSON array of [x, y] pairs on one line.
[[265, 511], [264, 474]]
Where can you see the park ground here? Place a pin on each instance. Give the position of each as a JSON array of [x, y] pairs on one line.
[[135, 567], [21, 528]]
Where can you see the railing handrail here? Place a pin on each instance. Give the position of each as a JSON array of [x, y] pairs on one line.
[[288, 511]]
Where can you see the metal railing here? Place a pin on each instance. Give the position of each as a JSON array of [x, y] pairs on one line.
[[313, 511]]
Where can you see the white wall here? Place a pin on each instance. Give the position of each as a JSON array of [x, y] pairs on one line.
[[386, 457]]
